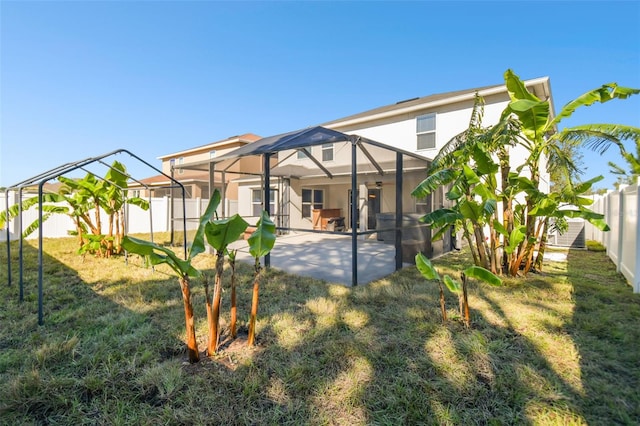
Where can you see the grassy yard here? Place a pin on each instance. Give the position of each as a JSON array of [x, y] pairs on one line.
[[561, 347]]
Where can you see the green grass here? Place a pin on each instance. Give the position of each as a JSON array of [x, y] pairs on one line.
[[559, 347]]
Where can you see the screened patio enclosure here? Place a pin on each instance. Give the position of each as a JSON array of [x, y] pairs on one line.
[[320, 181]]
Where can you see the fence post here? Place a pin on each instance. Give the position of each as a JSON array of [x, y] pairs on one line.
[[167, 212], [621, 207], [636, 245]]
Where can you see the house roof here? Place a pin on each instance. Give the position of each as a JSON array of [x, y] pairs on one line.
[[246, 138], [431, 101]]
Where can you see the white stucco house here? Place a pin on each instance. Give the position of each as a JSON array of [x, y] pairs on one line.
[[304, 196]]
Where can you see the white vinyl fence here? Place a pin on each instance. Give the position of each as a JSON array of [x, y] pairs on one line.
[[137, 220], [621, 214]]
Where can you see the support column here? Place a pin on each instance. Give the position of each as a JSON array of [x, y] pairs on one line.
[[399, 211], [267, 197], [354, 215]]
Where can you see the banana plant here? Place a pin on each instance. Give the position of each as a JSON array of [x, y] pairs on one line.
[[184, 269], [219, 234], [260, 244], [538, 127], [429, 272]]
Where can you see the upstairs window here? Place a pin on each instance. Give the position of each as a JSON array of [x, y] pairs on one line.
[[301, 154], [327, 152], [212, 154], [426, 131], [180, 162]]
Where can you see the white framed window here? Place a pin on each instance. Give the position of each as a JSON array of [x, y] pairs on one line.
[[257, 204], [180, 162], [301, 154], [327, 152], [426, 131], [212, 153], [311, 199]]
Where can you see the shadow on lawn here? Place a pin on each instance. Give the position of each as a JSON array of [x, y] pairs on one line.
[[90, 348], [354, 354], [605, 329]]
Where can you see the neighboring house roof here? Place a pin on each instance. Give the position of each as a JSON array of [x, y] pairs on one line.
[[247, 138], [430, 101], [161, 180]]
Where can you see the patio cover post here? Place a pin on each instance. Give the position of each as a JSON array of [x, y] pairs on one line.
[[6, 202], [354, 214], [398, 239], [40, 257], [267, 190]]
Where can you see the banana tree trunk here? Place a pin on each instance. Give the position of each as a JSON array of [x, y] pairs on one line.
[[234, 309], [254, 307], [209, 307], [443, 307], [192, 344], [543, 245], [507, 208], [465, 301], [214, 329]]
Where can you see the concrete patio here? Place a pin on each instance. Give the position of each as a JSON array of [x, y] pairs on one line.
[[327, 257]]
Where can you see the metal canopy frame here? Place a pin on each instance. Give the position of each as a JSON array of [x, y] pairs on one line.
[[300, 140], [54, 173]]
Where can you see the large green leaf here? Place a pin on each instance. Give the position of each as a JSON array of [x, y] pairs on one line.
[[453, 285], [596, 219], [482, 274], [602, 94], [500, 229], [533, 113], [517, 236], [426, 268], [140, 202], [197, 246], [483, 161], [149, 250], [441, 217], [544, 207], [433, 182], [516, 88], [220, 233], [117, 174], [471, 210], [263, 238], [471, 176], [599, 137]]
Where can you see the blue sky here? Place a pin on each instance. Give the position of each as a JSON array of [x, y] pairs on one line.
[[80, 79]]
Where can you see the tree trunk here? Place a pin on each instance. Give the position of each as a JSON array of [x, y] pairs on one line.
[[543, 245], [482, 246], [192, 344], [234, 309], [443, 307], [529, 262], [465, 301], [254, 307], [209, 308], [472, 247], [214, 331], [507, 207]]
